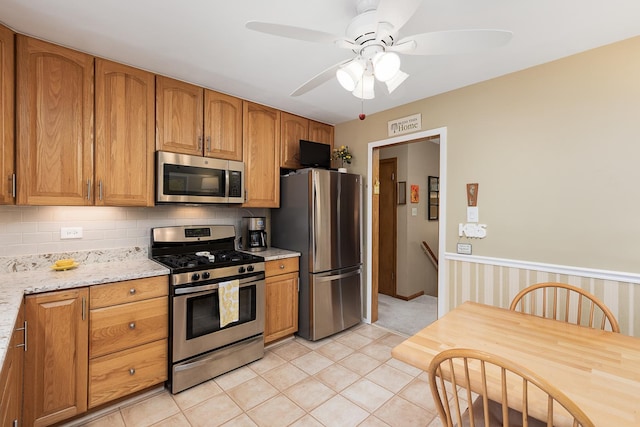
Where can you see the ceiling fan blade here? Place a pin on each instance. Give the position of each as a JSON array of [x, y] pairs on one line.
[[452, 42], [292, 32], [396, 12], [319, 79]]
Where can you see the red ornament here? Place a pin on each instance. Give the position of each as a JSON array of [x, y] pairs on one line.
[[362, 116]]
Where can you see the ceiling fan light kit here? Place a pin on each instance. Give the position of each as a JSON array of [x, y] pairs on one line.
[[372, 35]]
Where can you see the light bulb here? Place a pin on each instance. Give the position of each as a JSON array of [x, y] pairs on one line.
[[385, 65], [395, 81], [349, 75], [364, 88]]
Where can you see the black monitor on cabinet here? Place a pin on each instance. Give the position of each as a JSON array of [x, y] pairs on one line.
[[315, 154]]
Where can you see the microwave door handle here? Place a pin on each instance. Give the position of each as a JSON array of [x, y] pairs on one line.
[[226, 183]]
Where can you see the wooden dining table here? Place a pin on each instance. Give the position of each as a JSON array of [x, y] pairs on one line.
[[599, 370]]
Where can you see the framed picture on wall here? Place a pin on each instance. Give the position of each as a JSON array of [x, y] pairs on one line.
[[415, 193], [402, 192], [434, 197]]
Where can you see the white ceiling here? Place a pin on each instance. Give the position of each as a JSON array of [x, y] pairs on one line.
[[206, 42]]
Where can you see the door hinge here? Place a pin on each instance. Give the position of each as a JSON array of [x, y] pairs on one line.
[[393, 176]]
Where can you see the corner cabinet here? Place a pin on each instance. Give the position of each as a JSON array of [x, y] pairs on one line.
[[7, 118], [11, 376], [197, 121], [54, 145], [55, 366], [281, 296], [125, 135], [261, 155]]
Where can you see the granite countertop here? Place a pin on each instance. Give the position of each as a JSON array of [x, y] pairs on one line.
[[272, 253], [29, 275]]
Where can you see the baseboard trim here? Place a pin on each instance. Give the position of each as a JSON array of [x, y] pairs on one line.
[[410, 297]]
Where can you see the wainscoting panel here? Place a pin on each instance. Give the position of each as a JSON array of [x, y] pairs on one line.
[[496, 281]]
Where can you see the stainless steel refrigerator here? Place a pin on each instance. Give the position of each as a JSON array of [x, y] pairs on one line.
[[320, 216]]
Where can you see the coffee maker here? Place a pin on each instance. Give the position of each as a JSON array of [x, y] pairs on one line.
[[254, 236]]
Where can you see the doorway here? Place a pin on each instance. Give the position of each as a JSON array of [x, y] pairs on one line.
[[373, 218], [387, 227]]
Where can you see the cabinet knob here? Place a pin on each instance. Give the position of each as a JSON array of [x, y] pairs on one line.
[[132, 325], [132, 371], [281, 266], [132, 291]]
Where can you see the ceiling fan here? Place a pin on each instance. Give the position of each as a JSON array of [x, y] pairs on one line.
[[372, 35]]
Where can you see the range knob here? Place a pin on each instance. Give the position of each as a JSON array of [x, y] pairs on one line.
[[250, 268], [195, 276], [206, 275], [241, 270]]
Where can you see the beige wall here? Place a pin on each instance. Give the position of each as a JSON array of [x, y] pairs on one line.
[[555, 150]]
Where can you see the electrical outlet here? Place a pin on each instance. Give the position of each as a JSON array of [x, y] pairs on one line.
[[71, 232]]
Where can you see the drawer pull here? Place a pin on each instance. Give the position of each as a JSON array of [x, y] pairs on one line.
[[132, 325], [132, 291], [132, 371], [281, 266]]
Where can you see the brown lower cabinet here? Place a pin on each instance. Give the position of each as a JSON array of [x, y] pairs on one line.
[[55, 366], [11, 377], [88, 346], [281, 297]]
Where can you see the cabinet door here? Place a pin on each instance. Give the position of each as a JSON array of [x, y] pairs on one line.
[[11, 376], [222, 126], [7, 119], [261, 154], [125, 129], [281, 296], [56, 361], [293, 129], [54, 144], [179, 112], [320, 132]]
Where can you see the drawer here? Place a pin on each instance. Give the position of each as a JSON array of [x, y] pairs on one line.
[[127, 325], [128, 291], [281, 266], [120, 374]]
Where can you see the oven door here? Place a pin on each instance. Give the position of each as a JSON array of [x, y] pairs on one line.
[[196, 318]]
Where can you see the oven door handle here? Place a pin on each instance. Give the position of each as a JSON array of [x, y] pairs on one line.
[[193, 289]]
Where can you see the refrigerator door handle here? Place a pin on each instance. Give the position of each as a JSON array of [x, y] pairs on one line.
[[337, 276]]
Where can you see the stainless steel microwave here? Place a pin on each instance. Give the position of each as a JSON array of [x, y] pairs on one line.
[[183, 178]]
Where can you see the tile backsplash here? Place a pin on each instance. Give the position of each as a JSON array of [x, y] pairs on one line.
[[28, 230]]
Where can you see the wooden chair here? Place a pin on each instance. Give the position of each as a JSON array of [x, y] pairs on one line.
[[508, 394], [568, 303]]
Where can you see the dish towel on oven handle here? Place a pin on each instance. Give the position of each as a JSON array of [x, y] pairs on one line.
[[228, 295]]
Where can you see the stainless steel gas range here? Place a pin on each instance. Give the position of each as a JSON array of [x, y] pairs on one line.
[[201, 259]]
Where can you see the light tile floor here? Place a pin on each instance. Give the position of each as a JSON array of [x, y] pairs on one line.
[[348, 379]]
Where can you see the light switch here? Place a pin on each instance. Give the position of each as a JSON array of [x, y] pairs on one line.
[[472, 214], [414, 211]]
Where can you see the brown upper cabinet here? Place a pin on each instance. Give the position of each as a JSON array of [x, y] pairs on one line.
[[197, 121], [261, 154], [54, 145], [55, 129], [293, 129], [125, 130], [320, 132], [7, 118]]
